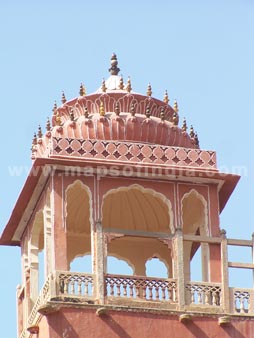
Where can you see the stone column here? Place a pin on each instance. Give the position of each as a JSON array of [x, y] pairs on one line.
[[178, 267], [225, 301], [47, 237], [99, 258]]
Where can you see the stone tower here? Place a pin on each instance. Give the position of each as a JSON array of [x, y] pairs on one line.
[[114, 175]]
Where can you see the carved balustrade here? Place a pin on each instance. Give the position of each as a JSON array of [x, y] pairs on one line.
[[203, 293], [74, 284], [242, 301], [141, 288]]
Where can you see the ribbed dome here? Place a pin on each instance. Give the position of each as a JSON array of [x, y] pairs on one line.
[[116, 113]]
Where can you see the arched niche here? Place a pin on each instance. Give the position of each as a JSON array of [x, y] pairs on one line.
[[78, 219], [194, 213], [136, 208]]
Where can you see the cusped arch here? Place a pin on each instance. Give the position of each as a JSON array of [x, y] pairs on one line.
[[137, 208], [194, 213], [78, 220], [121, 260], [78, 210], [156, 266]]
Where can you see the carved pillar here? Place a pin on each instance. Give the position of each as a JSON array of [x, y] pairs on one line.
[[47, 237], [178, 267], [34, 272], [225, 301], [205, 261], [100, 255]]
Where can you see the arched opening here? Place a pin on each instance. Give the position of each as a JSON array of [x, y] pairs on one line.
[[81, 264], [78, 224], [118, 266], [138, 216], [155, 267], [195, 222]]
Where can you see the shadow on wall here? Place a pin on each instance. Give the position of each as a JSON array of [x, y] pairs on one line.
[[62, 327], [115, 327]]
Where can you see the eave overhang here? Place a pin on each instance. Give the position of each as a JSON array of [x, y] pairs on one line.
[[38, 177]]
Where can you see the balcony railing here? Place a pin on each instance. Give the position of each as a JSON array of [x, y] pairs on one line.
[[242, 301], [74, 284], [141, 288], [203, 294]]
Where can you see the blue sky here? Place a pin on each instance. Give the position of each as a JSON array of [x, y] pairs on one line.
[[202, 52]]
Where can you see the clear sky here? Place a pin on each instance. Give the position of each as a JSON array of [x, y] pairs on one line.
[[202, 52]]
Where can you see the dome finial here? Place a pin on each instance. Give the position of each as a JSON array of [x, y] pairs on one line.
[[103, 86], [82, 90], [39, 134], [48, 126], [149, 90], [128, 86], [121, 84], [102, 109], [176, 106], [114, 70], [196, 140], [192, 133], [63, 98], [58, 119], [184, 126], [166, 99]]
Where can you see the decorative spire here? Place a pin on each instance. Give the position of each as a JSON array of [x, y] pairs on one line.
[[149, 90], [34, 143], [148, 112], [114, 70], [86, 113], [102, 110], [58, 119], [121, 85], [176, 106], [196, 140], [128, 86], [82, 90], [162, 114], [48, 126], [54, 107], [175, 119], [192, 134], [117, 110], [39, 134], [184, 126], [133, 111], [103, 86], [166, 99], [63, 98]]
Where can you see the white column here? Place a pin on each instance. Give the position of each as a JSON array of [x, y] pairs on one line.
[[224, 273]]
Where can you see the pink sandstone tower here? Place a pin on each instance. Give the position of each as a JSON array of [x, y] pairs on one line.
[[115, 176]]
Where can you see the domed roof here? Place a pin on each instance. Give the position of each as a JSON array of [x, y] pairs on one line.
[[116, 113]]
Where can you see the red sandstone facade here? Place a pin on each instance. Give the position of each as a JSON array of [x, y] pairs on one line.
[[115, 175]]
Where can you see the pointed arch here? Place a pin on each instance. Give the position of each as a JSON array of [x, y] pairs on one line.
[[194, 213], [78, 220], [195, 222]]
